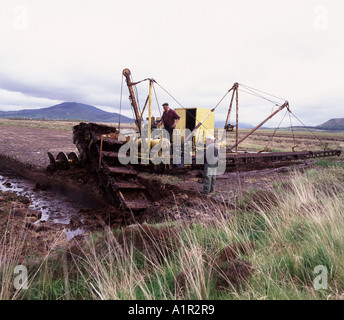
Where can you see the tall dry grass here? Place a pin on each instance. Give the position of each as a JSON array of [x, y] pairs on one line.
[[263, 245], [24, 276], [11, 245], [298, 228]]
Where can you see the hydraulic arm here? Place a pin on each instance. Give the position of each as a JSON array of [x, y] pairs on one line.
[[138, 120]]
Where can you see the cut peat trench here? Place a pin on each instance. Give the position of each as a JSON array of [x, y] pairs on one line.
[[60, 184], [53, 208], [60, 199]]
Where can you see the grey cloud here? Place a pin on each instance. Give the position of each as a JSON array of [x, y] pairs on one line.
[[196, 49], [84, 92]]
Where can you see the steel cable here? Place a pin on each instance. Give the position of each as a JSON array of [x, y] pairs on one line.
[[251, 89], [120, 106], [308, 129]]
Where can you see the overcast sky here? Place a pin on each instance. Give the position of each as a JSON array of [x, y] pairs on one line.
[[75, 50]]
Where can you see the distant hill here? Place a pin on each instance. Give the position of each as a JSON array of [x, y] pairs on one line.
[[242, 125], [67, 111], [333, 124]]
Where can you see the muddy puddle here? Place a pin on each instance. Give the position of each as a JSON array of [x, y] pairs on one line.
[[55, 208]]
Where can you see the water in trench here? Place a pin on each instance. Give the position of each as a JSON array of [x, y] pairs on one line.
[[55, 208]]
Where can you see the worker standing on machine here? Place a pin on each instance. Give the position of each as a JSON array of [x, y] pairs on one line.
[[211, 158], [170, 119]]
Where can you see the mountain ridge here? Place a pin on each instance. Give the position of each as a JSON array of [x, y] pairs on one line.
[[332, 124], [67, 111]]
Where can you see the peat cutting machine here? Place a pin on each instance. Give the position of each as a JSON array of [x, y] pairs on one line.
[[100, 146]]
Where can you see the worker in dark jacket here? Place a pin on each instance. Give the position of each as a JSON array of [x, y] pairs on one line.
[[170, 119], [211, 158]]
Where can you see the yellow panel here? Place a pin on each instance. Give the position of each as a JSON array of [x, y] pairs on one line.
[[178, 136], [182, 121], [206, 128]]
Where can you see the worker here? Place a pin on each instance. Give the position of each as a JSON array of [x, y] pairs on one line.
[[169, 118], [211, 158]]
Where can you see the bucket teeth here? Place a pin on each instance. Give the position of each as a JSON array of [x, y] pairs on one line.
[[51, 158], [72, 156], [62, 157]]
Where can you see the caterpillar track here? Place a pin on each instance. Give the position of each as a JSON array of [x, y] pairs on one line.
[[98, 146]]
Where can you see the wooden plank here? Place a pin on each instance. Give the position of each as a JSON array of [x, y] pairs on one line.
[[111, 141], [137, 204], [129, 185], [110, 154], [122, 170]]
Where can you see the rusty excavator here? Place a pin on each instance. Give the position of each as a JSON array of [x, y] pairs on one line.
[[100, 146]]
